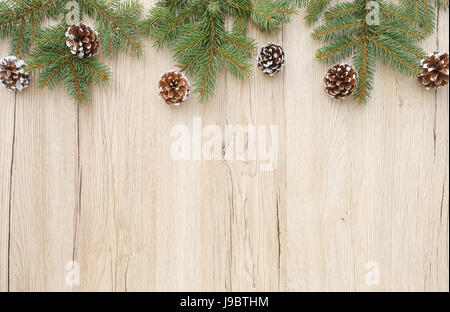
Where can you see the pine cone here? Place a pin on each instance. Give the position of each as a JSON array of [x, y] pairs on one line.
[[434, 71], [12, 74], [83, 41], [340, 81], [174, 87], [271, 59]]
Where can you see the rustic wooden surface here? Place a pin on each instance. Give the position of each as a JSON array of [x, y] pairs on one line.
[[355, 184]]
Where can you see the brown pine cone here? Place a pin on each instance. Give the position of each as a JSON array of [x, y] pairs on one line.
[[434, 71], [174, 87], [340, 81], [271, 59], [12, 74], [83, 41]]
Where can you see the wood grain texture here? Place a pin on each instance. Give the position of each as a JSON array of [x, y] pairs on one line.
[[7, 118], [354, 184]]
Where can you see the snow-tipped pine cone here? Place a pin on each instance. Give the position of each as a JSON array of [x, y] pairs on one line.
[[434, 71], [12, 74], [271, 58], [340, 81], [174, 87], [83, 40]]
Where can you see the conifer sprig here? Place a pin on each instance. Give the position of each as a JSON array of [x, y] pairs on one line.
[[202, 46], [314, 9], [393, 41], [21, 20], [118, 23], [424, 12], [54, 64]]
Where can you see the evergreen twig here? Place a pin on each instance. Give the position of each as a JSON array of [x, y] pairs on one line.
[[117, 22], [393, 41], [202, 46], [424, 12], [54, 64]]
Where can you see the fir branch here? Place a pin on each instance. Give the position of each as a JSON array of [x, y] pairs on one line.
[[240, 25], [337, 50], [100, 71], [55, 64], [240, 41], [23, 10], [424, 12], [364, 61], [118, 23], [76, 82], [392, 29], [41, 62], [341, 9], [202, 46], [52, 74], [334, 30], [396, 12], [404, 44], [162, 22], [269, 15], [387, 51], [314, 9], [393, 41], [20, 20]]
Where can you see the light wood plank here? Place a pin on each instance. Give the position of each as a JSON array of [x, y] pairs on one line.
[[44, 190], [7, 111], [439, 240], [257, 205], [135, 202]]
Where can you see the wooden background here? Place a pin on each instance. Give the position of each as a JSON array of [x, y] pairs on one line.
[[355, 184]]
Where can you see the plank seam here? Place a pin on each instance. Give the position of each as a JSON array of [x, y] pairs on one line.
[[230, 267], [77, 210], [10, 192], [435, 92]]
